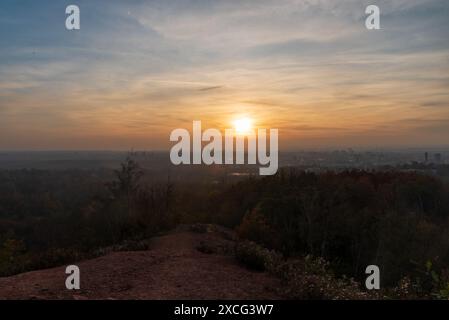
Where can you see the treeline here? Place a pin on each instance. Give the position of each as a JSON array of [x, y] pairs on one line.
[[396, 220], [54, 217]]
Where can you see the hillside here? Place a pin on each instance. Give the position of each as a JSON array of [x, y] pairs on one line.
[[179, 265]]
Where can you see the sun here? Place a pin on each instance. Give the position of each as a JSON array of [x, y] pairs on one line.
[[243, 125]]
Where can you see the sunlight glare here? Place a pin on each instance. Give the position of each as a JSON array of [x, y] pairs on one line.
[[243, 125]]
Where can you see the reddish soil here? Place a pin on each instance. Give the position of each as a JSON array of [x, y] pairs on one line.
[[172, 268]]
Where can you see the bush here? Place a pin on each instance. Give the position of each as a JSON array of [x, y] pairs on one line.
[[12, 257], [311, 279], [427, 282], [255, 256], [307, 278]]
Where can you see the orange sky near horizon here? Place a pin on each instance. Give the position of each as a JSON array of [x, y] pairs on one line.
[[134, 73]]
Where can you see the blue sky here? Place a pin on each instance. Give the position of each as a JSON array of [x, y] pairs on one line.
[[138, 69]]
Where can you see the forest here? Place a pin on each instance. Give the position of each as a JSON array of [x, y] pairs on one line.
[[337, 222]]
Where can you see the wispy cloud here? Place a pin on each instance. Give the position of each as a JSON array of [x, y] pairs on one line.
[[136, 70]]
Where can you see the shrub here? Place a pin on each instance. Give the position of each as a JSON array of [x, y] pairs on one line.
[[311, 279], [12, 257], [255, 256]]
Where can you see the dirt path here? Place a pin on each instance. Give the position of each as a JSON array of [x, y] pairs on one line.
[[172, 268]]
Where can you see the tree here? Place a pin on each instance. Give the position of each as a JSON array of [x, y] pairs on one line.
[[127, 183]]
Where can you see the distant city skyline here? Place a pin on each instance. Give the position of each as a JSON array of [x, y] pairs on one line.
[[137, 70]]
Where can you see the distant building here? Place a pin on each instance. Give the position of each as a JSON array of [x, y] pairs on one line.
[[437, 157], [426, 157]]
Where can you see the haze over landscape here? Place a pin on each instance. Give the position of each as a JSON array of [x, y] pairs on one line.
[[101, 197], [137, 70]]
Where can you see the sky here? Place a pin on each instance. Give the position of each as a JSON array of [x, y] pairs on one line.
[[137, 70]]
